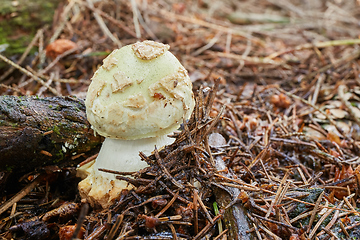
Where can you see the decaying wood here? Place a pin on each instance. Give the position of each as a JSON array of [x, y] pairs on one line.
[[36, 132], [235, 218]]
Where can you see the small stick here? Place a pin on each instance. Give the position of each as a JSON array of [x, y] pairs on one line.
[[344, 230], [103, 26], [173, 194], [302, 176], [65, 17], [203, 206], [84, 210], [25, 191], [328, 231], [344, 59], [278, 195], [209, 45], [314, 211], [249, 60], [89, 159], [257, 232], [173, 231], [23, 56], [210, 98], [317, 45], [285, 197], [214, 122], [111, 19], [317, 88], [341, 90], [11, 88], [196, 215], [276, 222], [145, 202], [221, 234], [312, 233], [26, 72], [136, 19], [115, 227], [259, 156], [332, 222], [95, 234], [167, 205], [233, 119], [313, 106], [60, 56], [158, 159], [200, 22], [207, 227], [269, 232]]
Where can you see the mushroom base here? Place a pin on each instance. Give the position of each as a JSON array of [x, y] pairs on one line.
[[102, 188], [98, 190]]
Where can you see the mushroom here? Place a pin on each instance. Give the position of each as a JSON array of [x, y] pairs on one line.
[[137, 97]]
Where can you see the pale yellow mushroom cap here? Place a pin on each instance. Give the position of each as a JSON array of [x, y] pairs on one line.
[[140, 91]]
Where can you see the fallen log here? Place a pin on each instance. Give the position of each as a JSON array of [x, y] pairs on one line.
[[36, 132]]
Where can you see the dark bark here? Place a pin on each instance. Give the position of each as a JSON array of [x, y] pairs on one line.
[[36, 132], [235, 218]]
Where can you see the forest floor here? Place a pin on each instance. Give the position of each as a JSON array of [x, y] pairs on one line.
[[274, 142]]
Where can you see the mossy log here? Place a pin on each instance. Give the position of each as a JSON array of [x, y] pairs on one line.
[[36, 132]]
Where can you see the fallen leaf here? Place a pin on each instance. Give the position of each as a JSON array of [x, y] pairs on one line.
[[58, 47], [333, 137], [345, 173], [338, 113]]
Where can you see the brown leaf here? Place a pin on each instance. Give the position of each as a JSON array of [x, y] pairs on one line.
[[58, 47], [333, 137], [345, 173], [67, 232], [338, 113]]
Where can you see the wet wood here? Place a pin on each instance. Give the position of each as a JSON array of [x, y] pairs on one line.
[[35, 132], [235, 213]]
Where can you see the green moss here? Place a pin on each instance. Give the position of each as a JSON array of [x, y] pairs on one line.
[[56, 130], [314, 194], [59, 157], [21, 21], [9, 168]]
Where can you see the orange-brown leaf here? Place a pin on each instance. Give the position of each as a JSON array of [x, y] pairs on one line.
[[58, 47]]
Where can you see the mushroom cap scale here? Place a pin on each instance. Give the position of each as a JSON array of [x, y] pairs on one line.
[[140, 91]]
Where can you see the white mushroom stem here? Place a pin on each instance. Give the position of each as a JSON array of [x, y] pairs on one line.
[[119, 155]]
